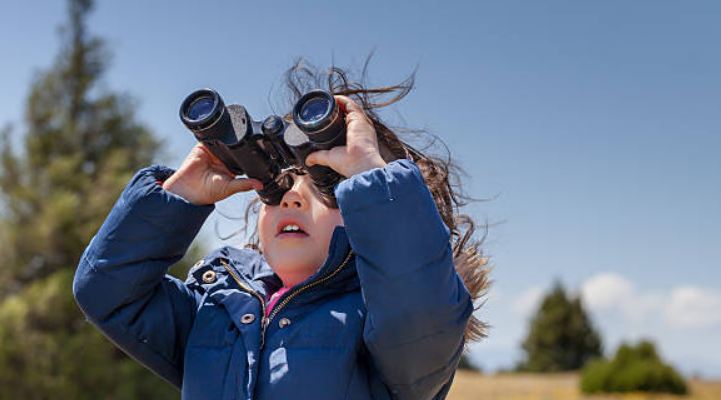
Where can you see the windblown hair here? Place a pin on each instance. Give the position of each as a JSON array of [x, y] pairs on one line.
[[441, 174]]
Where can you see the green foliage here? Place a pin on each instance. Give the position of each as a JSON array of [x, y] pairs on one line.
[[47, 350], [81, 147], [561, 336], [633, 369]]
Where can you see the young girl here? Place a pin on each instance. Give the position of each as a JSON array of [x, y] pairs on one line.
[[354, 297]]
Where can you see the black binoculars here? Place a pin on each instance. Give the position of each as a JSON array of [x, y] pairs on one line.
[[262, 150]]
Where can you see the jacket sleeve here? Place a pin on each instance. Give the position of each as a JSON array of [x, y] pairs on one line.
[[417, 304], [121, 283]]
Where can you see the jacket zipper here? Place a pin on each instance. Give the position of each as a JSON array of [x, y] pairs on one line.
[[308, 285], [265, 321]]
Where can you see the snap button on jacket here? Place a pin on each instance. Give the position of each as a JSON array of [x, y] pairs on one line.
[[209, 276], [247, 318]]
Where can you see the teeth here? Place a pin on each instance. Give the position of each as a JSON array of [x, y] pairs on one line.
[[291, 228]]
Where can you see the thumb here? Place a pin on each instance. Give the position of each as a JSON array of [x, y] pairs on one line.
[[242, 185], [320, 157]]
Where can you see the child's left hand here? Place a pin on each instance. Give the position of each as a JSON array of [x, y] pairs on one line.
[[361, 150]]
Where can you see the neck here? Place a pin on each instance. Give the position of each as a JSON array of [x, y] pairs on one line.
[[291, 279]]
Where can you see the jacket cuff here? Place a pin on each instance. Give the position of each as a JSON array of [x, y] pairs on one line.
[[156, 220], [146, 192]]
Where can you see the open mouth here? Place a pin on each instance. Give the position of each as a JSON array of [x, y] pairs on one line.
[[291, 230]]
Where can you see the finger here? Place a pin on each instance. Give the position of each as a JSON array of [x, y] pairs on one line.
[[211, 161], [211, 158], [354, 112], [242, 185], [348, 105], [319, 157]]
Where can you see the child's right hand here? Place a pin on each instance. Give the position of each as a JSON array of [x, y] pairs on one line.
[[203, 179]]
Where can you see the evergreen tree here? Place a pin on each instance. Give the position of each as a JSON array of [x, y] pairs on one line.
[[82, 146], [561, 336]]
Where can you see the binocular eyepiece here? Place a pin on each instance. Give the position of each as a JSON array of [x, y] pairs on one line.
[[262, 150]]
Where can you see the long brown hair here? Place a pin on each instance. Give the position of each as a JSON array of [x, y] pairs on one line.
[[441, 174]]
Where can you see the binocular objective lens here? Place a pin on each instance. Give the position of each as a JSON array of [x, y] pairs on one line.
[[201, 108], [314, 109]]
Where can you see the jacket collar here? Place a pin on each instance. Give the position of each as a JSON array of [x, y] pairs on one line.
[[257, 273]]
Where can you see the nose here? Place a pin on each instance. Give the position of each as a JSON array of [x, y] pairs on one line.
[[294, 197]]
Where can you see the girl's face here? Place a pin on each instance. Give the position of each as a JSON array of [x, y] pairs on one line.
[[295, 234]]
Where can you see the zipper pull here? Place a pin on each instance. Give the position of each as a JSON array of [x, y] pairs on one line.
[[264, 322]]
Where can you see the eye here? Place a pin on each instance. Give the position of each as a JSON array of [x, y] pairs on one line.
[[285, 182]]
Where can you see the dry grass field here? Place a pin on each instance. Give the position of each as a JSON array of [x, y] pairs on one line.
[[472, 386]]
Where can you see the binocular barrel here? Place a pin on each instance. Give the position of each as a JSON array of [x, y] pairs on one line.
[[263, 150]]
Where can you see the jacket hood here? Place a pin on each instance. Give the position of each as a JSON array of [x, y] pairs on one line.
[[471, 266]]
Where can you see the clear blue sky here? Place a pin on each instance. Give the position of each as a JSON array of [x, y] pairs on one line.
[[598, 125]]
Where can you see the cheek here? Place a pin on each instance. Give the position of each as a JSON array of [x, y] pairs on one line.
[[337, 218], [263, 225], [329, 219]]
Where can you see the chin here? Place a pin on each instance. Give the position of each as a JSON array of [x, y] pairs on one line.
[[293, 263]]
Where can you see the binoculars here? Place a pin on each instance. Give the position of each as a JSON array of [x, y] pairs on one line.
[[262, 150]]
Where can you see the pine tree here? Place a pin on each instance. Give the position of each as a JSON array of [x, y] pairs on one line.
[[82, 145], [561, 336]]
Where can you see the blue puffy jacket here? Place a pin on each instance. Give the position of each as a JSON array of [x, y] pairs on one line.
[[383, 318]]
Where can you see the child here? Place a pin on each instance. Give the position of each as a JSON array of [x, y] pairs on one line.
[[354, 297]]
